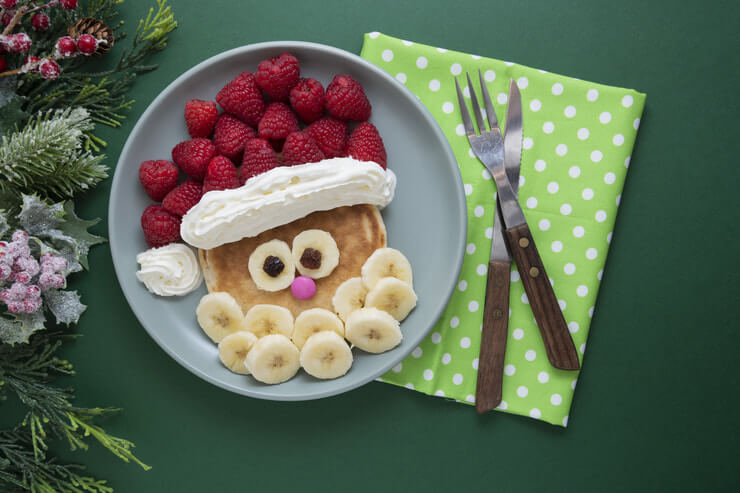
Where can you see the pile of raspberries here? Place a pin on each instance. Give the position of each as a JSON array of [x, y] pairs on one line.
[[271, 118]]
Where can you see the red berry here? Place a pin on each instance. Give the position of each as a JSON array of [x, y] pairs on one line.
[[258, 158], [300, 148], [40, 21], [8, 4], [68, 4], [87, 44], [277, 76], [66, 46], [242, 98], [193, 156], [230, 135], [365, 144], [160, 226], [221, 175], [18, 43], [158, 178], [200, 117], [330, 134], [3, 64], [277, 122], [307, 99], [49, 69], [183, 197], [30, 64], [6, 18], [345, 99]]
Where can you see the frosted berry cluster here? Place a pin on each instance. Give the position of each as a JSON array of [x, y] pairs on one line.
[[23, 278]]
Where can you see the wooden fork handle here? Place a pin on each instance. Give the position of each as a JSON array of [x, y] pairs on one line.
[[493, 337], [558, 343]]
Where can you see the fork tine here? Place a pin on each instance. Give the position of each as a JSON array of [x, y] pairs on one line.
[[476, 107], [467, 122], [490, 112]]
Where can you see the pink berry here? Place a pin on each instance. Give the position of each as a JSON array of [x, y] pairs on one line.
[[8, 4], [87, 44], [23, 277], [49, 69], [15, 307], [31, 306], [66, 46], [33, 292], [68, 4], [59, 263], [5, 272], [303, 288], [17, 292], [20, 236], [40, 21]]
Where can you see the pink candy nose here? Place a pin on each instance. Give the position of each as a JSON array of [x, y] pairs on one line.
[[303, 288]]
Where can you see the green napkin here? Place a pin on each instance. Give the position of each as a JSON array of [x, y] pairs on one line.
[[578, 137]]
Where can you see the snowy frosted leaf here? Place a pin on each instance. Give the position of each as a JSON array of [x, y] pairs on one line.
[[4, 226], [18, 331], [65, 305]]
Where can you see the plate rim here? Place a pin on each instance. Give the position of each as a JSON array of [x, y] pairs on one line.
[[287, 45]]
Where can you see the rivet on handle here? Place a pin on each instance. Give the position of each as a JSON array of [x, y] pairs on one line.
[[524, 242], [534, 271], [497, 314]]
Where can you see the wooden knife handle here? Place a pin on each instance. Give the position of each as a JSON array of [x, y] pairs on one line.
[[493, 337], [559, 345]]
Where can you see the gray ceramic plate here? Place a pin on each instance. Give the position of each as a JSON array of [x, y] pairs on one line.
[[426, 220]]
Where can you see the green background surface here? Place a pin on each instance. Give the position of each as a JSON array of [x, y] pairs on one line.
[[656, 403]]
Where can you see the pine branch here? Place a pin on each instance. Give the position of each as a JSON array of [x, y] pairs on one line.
[[48, 157]]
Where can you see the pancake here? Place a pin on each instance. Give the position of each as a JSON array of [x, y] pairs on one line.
[[358, 231]]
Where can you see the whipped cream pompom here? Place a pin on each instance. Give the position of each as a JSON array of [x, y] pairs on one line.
[[171, 270]]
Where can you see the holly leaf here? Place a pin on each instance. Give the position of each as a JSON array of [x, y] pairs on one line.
[[65, 305], [18, 331], [76, 228]]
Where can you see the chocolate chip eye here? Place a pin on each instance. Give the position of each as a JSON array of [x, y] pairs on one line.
[[273, 266], [311, 258]]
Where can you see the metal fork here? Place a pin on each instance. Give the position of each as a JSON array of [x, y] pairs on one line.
[[488, 146]]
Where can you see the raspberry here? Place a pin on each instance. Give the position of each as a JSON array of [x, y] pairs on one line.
[[345, 99], [366, 144], [40, 21], [160, 226], [66, 46], [200, 117], [87, 44], [230, 135], [193, 156], [49, 69], [258, 158], [242, 98], [277, 76], [183, 197], [300, 148], [330, 134], [158, 178], [277, 122], [307, 99], [221, 175], [68, 4]]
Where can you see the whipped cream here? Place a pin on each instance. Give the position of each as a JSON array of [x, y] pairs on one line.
[[171, 270], [282, 195]]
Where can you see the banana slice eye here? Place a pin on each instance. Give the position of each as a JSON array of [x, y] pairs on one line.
[[315, 253], [271, 266]]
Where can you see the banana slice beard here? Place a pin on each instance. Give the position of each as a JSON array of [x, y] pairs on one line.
[[271, 266], [233, 350], [309, 322], [386, 262], [393, 296], [315, 253], [219, 315], [326, 355], [263, 320], [373, 330], [349, 296], [273, 359]]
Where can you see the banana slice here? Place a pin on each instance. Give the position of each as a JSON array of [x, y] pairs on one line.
[[386, 262], [349, 296], [373, 330], [219, 315], [315, 320], [263, 320], [273, 359], [233, 349], [326, 355], [271, 266], [315, 253], [393, 296]]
